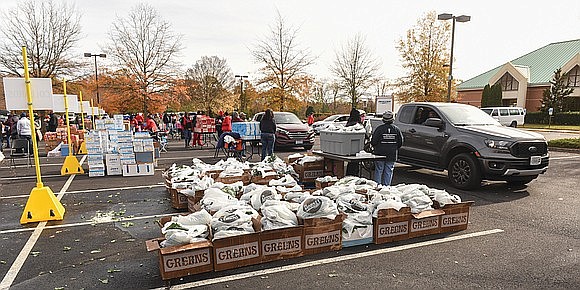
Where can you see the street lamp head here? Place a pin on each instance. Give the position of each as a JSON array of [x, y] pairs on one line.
[[444, 16], [237, 76], [463, 18], [102, 55], [88, 54]]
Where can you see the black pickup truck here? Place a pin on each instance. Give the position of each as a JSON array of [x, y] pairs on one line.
[[469, 144]]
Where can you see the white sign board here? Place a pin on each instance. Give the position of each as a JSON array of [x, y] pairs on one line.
[[93, 109], [102, 111], [15, 92], [86, 107], [384, 103], [58, 103]]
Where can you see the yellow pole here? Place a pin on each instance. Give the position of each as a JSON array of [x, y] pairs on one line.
[[70, 147], [82, 111], [71, 164], [31, 116], [42, 204]]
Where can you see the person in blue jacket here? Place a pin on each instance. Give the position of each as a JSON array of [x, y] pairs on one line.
[[386, 141]]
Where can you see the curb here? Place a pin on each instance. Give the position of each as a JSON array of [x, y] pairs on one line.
[[552, 130], [560, 149]]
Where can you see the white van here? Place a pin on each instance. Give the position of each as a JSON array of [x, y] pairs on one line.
[[507, 116]]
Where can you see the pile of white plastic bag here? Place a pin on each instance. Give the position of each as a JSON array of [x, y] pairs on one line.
[[187, 229]]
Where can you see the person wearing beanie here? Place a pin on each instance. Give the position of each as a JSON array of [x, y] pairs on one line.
[[386, 141]]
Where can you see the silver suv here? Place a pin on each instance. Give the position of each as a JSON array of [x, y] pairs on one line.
[[469, 144]]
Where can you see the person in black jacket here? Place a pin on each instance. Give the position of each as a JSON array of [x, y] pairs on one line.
[[352, 168], [386, 140], [268, 133]]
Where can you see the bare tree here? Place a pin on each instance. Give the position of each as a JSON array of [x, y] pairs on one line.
[[49, 32], [355, 67], [424, 53], [210, 81], [283, 60], [144, 47]]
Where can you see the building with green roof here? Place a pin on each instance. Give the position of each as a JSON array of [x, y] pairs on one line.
[[524, 79]]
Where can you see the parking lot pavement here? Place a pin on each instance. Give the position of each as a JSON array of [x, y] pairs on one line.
[[100, 242]]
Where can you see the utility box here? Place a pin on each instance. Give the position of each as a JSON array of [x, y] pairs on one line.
[[342, 143]]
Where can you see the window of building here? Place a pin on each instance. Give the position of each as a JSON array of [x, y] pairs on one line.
[[508, 83], [574, 77]]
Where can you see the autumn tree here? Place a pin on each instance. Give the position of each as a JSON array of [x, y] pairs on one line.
[[144, 48], [282, 59], [423, 55], [355, 67], [211, 82], [48, 30], [553, 97]]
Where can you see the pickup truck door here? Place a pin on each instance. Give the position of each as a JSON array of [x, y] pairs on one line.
[[422, 144]]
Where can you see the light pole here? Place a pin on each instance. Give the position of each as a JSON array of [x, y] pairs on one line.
[[462, 18], [88, 54], [242, 98]]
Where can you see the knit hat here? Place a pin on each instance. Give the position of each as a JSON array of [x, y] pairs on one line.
[[22, 115], [388, 117]]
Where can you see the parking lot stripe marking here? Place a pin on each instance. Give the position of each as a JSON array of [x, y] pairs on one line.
[[331, 260], [564, 157], [117, 188], [25, 252], [29, 177], [92, 190], [88, 223]]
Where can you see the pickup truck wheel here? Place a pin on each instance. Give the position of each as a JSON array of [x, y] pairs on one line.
[[464, 172]]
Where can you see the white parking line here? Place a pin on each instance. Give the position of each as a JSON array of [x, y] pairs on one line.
[[29, 177], [87, 224], [564, 157], [25, 252], [92, 190], [330, 260]]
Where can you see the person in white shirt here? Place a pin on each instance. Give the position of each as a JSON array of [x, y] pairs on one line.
[[23, 129]]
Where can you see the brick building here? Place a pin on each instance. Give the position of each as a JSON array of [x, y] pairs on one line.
[[524, 79]]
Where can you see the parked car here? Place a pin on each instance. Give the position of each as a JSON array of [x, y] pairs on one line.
[[290, 131], [507, 116], [336, 120], [469, 144]]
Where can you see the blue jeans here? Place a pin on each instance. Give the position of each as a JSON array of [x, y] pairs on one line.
[[384, 172], [268, 140], [187, 136]]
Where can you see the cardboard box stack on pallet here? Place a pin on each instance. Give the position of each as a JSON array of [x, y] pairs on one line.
[[323, 218], [52, 139], [114, 151], [204, 124], [247, 130]]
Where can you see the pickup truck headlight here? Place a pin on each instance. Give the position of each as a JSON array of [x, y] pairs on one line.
[[498, 144], [282, 131]]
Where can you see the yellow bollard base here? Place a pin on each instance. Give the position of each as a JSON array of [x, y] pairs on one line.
[[42, 205], [83, 148], [71, 166]]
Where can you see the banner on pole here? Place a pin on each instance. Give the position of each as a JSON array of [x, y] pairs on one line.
[[15, 93]]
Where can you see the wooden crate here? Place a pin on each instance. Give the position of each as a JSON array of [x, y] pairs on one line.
[[322, 235], [426, 223], [391, 225], [178, 200], [181, 261], [238, 251], [456, 216], [281, 244]]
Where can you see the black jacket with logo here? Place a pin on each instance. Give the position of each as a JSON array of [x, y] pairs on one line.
[[386, 140]]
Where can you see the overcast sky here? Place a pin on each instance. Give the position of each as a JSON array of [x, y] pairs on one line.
[[499, 31]]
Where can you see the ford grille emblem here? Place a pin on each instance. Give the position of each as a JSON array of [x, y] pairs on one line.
[[533, 149]]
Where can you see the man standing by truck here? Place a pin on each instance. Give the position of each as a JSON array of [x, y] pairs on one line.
[[386, 141]]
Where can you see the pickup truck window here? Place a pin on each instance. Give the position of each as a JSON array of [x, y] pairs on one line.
[[467, 115], [406, 114]]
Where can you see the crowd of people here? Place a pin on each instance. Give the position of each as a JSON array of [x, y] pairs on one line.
[[18, 127]]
